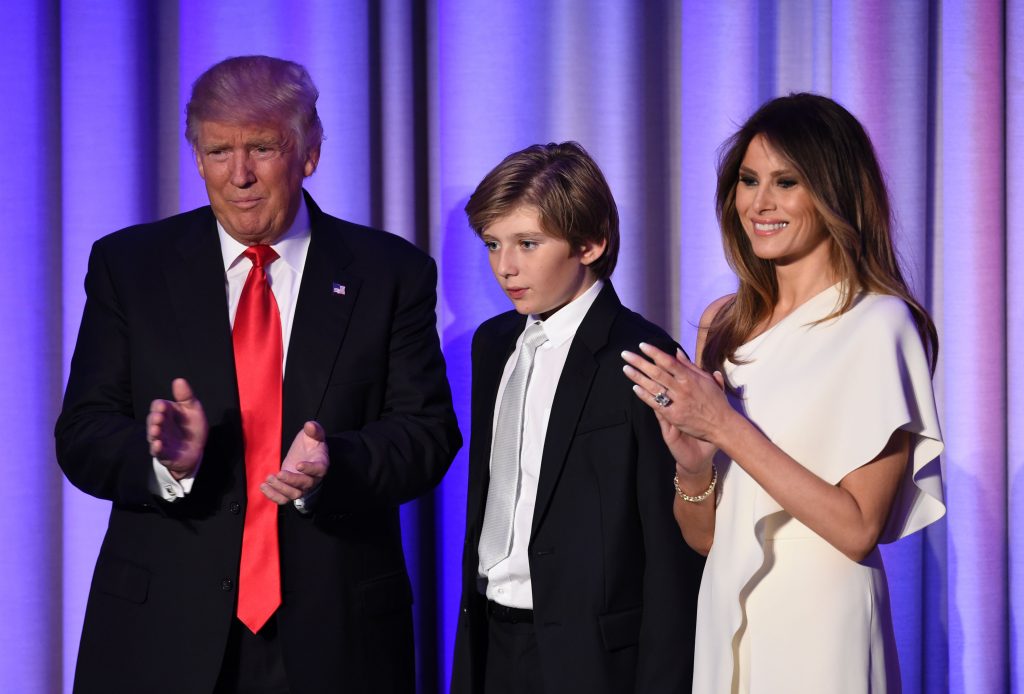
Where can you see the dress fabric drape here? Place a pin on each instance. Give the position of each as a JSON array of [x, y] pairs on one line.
[[781, 609]]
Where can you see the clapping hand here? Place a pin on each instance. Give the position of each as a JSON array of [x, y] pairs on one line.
[[689, 403], [303, 469], [177, 429]]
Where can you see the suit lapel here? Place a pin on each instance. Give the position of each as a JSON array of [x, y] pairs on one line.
[[327, 296], [581, 365], [194, 272]]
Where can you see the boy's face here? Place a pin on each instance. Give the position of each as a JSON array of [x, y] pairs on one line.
[[539, 272]]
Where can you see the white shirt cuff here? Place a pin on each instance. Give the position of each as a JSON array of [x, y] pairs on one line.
[[305, 504], [163, 484]]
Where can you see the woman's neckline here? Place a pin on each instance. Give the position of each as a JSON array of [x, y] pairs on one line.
[[798, 309]]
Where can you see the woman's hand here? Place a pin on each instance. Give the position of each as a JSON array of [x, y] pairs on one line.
[[664, 386], [689, 399], [693, 456]]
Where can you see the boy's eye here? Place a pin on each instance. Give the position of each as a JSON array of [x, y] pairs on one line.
[[491, 245], [526, 243]]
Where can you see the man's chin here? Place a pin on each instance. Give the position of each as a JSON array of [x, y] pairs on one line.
[[251, 234]]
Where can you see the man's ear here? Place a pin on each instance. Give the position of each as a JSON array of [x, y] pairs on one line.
[[312, 160], [199, 163], [590, 251]]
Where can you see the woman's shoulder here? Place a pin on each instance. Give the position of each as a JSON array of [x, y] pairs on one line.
[[881, 312], [712, 310], [875, 328], [706, 319]]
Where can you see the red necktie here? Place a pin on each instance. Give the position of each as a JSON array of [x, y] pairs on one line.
[[258, 356]]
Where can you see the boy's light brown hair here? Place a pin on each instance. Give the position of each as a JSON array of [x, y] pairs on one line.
[[566, 188]]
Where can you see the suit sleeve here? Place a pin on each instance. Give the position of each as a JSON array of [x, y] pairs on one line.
[[673, 571], [101, 446], [406, 451]]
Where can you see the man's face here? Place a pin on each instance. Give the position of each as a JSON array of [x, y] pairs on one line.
[[538, 272], [253, 178]]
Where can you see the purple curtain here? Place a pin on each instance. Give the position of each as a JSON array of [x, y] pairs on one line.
[[419, 100]]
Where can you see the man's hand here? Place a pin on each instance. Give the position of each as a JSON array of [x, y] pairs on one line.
[[177, 430], [303, 468]]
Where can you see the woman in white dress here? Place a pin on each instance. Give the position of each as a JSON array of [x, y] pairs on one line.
[[807, 433]]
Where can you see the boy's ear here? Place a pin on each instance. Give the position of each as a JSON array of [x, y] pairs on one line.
[[590, 251]]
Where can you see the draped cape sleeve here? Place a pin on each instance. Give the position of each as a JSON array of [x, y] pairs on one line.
[[830, 393]]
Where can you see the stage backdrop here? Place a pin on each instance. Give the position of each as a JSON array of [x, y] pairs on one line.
[[419, 100]]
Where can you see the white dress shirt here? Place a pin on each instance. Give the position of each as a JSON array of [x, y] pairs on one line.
[[508, 581], [284, 277]]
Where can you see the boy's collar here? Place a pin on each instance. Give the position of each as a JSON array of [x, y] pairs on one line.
[[563, 323]]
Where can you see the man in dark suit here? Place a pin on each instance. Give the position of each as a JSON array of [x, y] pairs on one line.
[[256, 387], [575, 578]]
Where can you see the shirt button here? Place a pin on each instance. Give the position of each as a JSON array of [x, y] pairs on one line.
[[226, 584], [234, 507]]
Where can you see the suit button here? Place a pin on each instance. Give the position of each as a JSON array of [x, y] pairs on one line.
[[226, 584], [234, 507]]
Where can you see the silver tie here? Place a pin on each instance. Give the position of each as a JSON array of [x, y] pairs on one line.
[[503, 491]]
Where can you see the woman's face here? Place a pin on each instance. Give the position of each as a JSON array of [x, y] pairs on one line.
[[775, 207]]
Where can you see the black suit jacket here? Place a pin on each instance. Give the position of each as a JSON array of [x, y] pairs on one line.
[[614, 584], [366, 364]]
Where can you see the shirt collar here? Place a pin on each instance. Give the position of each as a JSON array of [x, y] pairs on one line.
[[291, 246], [563, 324]]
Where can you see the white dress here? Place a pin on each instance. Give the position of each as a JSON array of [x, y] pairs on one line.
[[781, 610]]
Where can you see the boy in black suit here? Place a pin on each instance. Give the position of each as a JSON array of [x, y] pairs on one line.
[[575, 577]]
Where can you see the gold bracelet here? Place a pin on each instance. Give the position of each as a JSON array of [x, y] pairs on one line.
[[707, 492]]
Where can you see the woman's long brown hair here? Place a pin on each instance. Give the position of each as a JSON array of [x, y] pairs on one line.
[[834, 157]]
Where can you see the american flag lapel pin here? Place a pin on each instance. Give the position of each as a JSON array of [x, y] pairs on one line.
[[338, 289]]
